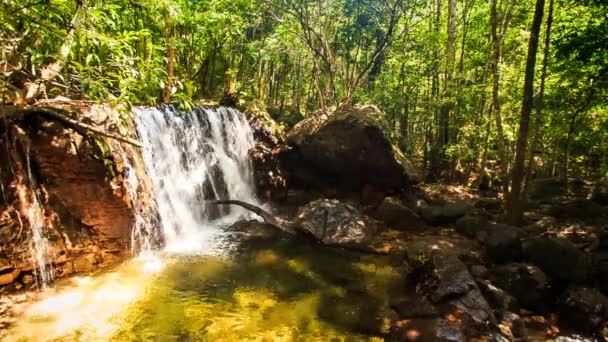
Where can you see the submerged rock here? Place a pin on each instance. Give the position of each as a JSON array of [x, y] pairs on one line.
[[335, 223], [348, 148]]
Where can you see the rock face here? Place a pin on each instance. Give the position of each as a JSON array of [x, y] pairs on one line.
[[557, 257], [347, 148], [335, 223], [72, 187]]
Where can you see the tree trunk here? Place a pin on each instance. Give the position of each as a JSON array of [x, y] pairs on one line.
[[496, 47], [539, 102], [169, 30], [516, 202], [35, 89]]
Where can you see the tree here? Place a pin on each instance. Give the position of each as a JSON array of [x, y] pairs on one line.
[[515, 201]]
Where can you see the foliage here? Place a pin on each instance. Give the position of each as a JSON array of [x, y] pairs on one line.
[[296, 56]]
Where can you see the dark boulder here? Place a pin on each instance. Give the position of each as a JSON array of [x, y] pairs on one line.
[[348, 148], [335, 223], [583, 309], [447, 214], [470, 225], [527, 283], [396, 215], [557, 257], [582, 209], [503, 244], [547, 190], [600, 193]]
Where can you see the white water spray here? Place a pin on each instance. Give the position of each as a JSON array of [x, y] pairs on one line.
[[193, 157], [39, 246]]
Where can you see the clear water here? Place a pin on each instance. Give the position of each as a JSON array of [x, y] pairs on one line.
[[211, 283], [274, 289]]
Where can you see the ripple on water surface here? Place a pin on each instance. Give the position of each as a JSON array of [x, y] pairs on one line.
[[280, 290]]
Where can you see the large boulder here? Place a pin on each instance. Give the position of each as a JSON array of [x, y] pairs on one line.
[[547, 190], [583, 309], [438, 215], [527, 283], [503, 244], [557, 257], [396, 215], [348, 148], [335, 223], [470, 225]]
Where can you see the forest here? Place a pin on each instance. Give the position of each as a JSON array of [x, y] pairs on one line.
[[505, 99]]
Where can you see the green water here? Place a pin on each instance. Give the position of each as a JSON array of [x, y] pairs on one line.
[[265, 290]]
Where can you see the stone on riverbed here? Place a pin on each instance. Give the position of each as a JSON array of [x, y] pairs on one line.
[[335, 223], [396, 215]]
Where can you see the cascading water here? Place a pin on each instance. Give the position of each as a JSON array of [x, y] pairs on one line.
[[193, 157], [39, 245]]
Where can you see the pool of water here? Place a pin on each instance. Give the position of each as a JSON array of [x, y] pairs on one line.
[[279, 289]]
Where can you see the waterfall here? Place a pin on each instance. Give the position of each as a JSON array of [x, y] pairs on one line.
[[192, 157], [39, 245]]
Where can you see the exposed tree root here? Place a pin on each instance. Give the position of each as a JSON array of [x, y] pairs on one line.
[[268, 218], [58, 115]]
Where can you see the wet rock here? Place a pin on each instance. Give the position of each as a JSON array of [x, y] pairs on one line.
[[583, 309], [498, 298], [8, 277], [503, 244], [459, 296], [557, 257], [396, 215], [85, 264], [470, 225], [77, 180], [27, 279], [439, 215], [348, 148], [512, 326], [527, 283], [414, 307], [335, 223]]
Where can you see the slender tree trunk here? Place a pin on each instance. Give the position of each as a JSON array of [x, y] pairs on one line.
[[516, 201], [35, 89], [169, 32], [539, 102], [495, 61]]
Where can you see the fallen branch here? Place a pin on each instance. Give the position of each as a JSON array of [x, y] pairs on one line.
[[268, 218], [78, 125]]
